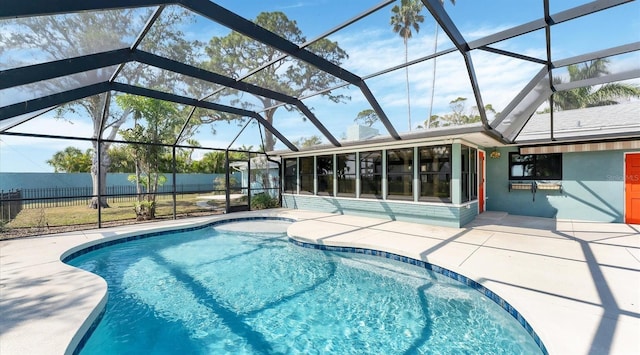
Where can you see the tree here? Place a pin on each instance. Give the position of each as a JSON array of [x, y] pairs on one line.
[[459, 115], [432, 121], [73, 35], [184, 161], [120, 159], [308, 142], [234, 53], [156, 122], [211, 162], [405, 18], [590, 96], [71, 160], [243, 152], [367, 117], [433, 79]]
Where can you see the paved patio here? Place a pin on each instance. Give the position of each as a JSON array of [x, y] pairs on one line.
[[576, 283]]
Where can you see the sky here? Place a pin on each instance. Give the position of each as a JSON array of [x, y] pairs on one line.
[[372, 47]]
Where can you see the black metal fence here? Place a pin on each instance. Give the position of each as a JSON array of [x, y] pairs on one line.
[[10, 204], [13, 201]]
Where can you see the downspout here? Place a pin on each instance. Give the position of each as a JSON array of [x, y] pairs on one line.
[[280, 173]]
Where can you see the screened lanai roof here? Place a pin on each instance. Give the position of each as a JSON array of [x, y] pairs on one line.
[[240, 72]]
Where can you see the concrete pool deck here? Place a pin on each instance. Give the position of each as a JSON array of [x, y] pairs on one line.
[[576, 283]]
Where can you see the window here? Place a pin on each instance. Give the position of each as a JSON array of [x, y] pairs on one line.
[[346, 174], [473, 172], [535, 166], [435, 173], [400, 173], [469, 174], [290, 176], [324, 170], [371, 174], [306, 175]]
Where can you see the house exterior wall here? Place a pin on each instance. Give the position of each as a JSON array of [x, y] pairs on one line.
[[592, 188], [454, 214], [456, 173], [417, 212]]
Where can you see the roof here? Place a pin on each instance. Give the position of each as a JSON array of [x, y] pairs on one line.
[[257, 163], [610, 120]]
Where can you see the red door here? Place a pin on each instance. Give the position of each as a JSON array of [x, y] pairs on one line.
[[481, 181], [632, 188]]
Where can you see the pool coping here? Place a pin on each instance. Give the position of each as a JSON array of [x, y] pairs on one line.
[[45, 324]]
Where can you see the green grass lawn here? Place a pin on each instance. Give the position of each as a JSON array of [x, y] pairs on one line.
[[117, 211]]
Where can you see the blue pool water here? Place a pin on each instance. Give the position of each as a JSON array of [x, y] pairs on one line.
[[216, 292]]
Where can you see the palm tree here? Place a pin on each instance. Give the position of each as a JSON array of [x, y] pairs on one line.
[[607, 94], [405, 18], [433, 80]]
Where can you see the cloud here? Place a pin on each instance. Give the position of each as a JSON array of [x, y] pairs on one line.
[[499, 77], [294, 5], [474, 32]]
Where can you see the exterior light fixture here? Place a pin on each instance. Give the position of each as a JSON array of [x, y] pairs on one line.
[[494, 154]]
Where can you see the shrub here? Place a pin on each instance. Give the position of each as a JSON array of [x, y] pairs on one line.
[[262, 201], [219, 184], [145, 210]]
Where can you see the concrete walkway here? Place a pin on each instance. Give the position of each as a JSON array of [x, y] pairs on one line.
[[203, 200], [577, 283]]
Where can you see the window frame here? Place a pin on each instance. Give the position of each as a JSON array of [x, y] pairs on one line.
[[375, 176], [468, 174], [446, 173], [290, 179], [345, 178], [406, 172], [324, 177], [305, 175], [536, 166]]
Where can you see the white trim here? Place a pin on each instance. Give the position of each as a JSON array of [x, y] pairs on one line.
[[415, 179], [582, 147], [315, 174], [358, 188], [482, 178], [379, 146], [334, 180], [409, 202], [384, 188], [298, 175]]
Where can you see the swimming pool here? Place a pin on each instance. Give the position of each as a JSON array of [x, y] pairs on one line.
[[208, 291]]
